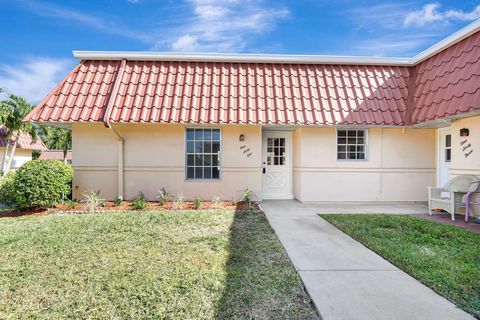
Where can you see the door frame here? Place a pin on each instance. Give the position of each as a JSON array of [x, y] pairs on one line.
[[290, 164], [441, 132]]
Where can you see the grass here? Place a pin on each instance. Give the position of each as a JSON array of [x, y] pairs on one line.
[[443, 257], [144, 265]]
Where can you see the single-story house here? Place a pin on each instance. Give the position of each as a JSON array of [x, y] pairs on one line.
[[56, 155], [313, 128], [23, 151]]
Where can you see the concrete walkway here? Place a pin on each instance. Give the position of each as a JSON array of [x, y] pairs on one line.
[[345, 279]]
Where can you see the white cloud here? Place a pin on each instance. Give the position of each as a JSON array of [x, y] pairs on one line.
[[407, 45], [464, 16], [185, 42], [386, 28], [87, 19], [34, 78], [386, 15], [431, 13], [222, 25], [203, 25]]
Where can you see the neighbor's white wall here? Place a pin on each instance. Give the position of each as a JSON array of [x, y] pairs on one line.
[[154, 157], [21, 156], [399, 167]]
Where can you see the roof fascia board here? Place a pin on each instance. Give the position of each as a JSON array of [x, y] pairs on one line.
[[239, 58]]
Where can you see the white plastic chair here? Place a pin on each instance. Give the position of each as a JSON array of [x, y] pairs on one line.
[[450, 197]]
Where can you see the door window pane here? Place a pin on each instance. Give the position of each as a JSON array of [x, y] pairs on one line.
[[448, 148], [276, 151]]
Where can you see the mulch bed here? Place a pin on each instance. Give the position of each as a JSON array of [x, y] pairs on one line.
[[110, 207]]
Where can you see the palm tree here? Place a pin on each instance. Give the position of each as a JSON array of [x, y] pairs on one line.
[[12, 111], [58, 139]]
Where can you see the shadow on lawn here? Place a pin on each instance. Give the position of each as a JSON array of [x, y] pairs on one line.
[[261, 281]]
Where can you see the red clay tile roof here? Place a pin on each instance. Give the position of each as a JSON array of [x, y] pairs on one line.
[[230, 93], [267, 93], [81, 96], [24, 140], [449, 82], [55, 155]]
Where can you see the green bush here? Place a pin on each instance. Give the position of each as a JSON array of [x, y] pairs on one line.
[[140, 202], [6, 190], [197, 203], [42, 183], [118, 201]]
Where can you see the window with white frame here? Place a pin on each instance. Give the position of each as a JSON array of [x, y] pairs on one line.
[[351, 144], [202, 153]]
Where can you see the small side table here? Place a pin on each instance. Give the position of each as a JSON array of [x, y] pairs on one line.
[[468, 204]]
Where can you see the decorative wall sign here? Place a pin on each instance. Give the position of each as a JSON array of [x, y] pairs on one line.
[[466, 147], [246, 151]]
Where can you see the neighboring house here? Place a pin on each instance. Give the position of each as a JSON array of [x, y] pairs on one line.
[[23, 152], [314, 128], [56, 155]]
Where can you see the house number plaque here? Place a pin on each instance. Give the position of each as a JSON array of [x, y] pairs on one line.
[[466, 148], [246, 151]]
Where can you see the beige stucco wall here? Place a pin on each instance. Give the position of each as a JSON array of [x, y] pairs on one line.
[[21, 156], [460, 163], [400, 166], [154, 157]]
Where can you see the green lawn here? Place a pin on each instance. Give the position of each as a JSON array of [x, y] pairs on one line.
[[445, 258], [139, 265]]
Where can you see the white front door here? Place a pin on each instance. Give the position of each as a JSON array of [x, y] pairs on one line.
[[277, 165], [444, 156]]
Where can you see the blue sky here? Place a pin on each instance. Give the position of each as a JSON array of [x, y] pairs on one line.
[[38, 36]]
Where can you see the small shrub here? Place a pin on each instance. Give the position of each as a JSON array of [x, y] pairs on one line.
[[163, 196], [197, 203], [41, 183], [140, 202], [118, 201], [247, 197], [6, 190], [93, 200], [217, 202], [70, 203], [178, 203]]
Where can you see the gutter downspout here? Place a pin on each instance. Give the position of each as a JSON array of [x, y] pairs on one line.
[[106, 122]]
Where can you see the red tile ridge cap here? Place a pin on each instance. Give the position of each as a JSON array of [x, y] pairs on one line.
[[113, 93]]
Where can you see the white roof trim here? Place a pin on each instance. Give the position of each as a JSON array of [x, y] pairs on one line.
[[278, 58], [236, 57]]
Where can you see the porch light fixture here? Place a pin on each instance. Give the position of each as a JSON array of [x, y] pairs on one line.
[[241, 137], [464, 132]]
